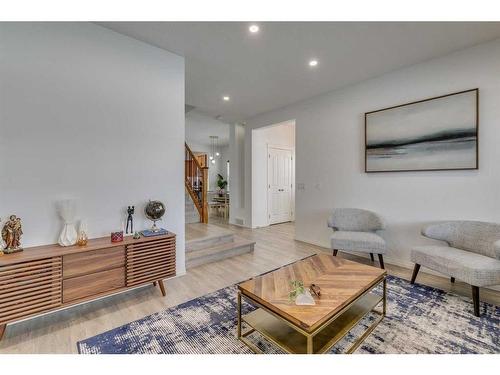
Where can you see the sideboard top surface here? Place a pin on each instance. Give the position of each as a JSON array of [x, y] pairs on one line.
[[55, 250]]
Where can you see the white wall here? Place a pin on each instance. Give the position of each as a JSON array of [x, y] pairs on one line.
[[237, 174], [90, 114], [330, 154], [282, 134]]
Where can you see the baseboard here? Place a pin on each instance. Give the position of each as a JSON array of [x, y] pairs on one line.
[[326, 247], [239, 225]]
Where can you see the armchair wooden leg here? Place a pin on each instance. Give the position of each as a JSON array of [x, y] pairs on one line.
[[475, 299], [162, 288], [381, 261], [371, 257], [154, 283], [452, 279], [415, 273], [3, 327], [335, 251]]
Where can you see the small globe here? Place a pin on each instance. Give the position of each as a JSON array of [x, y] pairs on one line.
[[154, 210]]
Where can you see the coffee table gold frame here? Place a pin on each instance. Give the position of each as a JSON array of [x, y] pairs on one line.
[[296, 340]]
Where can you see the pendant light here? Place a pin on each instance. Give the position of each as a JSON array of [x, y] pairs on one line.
[[214, 148]]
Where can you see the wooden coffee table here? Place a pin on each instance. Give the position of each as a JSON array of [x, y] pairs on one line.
[[346, 297]]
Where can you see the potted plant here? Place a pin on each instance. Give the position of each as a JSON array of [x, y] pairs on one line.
[[221, 184]]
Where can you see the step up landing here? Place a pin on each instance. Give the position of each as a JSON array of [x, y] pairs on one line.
[[206, 243]]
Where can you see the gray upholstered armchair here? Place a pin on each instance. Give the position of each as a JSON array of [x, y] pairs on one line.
[[354, 230], [472, 254]]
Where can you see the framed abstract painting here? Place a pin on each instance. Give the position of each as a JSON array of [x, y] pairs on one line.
[[439, 133]]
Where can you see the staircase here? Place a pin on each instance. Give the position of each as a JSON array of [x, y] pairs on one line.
[[206, 243], [196, 181]]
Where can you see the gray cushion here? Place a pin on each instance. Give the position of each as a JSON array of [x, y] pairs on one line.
[[358, 241], [355, 219], [476, 236], [474, 269]]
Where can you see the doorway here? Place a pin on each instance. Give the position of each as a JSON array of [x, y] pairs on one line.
[[273, 174], [280, 184]]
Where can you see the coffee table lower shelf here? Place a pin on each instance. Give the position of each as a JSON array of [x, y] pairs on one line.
[[293, 339]]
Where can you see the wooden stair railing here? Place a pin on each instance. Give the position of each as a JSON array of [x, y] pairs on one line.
[[196, 183]]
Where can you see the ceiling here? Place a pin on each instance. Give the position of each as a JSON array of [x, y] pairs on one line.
[[268, 70]]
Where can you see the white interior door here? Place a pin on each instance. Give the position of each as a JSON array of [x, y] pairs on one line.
[[279, 179]]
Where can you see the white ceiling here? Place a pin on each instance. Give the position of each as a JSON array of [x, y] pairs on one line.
[[268, 70]]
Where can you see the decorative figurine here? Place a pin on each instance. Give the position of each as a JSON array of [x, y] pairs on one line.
[[130, 219], [315, 289], [11, 234], [136, 236]]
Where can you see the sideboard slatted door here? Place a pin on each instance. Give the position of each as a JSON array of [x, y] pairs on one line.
[[30, 288], [150, 261]]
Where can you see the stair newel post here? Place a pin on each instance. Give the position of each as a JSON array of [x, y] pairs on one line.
[[204, 195]]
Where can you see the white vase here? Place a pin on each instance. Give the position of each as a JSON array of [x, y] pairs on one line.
[[68, 235], [67, 211]]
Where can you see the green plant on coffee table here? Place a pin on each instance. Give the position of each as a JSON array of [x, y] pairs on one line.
[[297, 288]]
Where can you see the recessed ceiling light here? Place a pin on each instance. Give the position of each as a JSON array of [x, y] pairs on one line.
[[313, 62], [254, 28], [226, 98]]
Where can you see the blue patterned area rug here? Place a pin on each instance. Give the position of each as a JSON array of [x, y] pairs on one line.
[[420, 319]]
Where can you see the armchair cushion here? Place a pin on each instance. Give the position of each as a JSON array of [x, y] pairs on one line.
[[355, 219], [472, 268], [475, 236], [358, 241]]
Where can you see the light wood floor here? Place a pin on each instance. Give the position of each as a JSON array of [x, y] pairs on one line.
[[200, 231], [59, 332]]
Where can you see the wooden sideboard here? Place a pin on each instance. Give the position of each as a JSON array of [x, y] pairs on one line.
[[47, 278]]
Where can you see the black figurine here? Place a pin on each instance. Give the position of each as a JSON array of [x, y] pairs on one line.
[[130, 219]]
